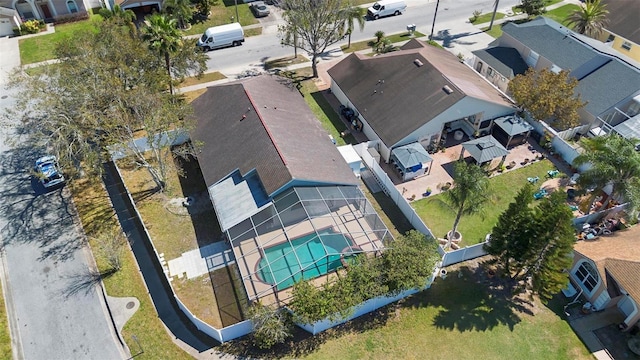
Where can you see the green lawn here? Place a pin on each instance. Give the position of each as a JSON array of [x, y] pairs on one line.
[[560, 14], [40, 48], [502, 189], [496, 31], [457, 318], [485, 18], [5, 336], [221, 15]]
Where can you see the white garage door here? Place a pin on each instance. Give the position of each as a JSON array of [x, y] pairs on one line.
[[6, 27]]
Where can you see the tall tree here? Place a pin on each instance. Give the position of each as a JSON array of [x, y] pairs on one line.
[[613, 161], [180, 10], [548, 96], [353, 15], [511, 235], [121, 16], [163, 38], [551, 242], [105, 88], [532, 7], [313, 26], [468, 194], [590, 19]]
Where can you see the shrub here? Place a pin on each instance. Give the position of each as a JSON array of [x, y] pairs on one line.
[[31, 26], [72, 18], [270, 326], [476, 15]]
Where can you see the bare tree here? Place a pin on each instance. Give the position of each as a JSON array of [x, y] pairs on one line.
[[313, 25]]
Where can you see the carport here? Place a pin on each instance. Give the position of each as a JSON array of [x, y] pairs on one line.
[[511, 130], [484, 149]]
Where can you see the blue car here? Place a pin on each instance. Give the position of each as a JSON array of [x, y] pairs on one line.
[[47, 171]]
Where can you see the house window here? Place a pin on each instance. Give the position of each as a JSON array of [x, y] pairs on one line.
[[626, 45], [611, 38], [490, 72], [587, 275], [532, 59], [71, 5], [479, 66]]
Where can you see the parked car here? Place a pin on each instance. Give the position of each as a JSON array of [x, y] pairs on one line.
[[259, 9], [48, 171]]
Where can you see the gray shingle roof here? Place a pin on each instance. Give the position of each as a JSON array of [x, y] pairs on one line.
[[400, 91], [549, 39], [608, 85], [485, 148], [263, 123], [507, 61]]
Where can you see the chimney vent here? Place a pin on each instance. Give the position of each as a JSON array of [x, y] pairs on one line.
[[447, 89], [418, 62]]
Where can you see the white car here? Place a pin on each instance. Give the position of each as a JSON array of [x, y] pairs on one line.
[[47, 171]]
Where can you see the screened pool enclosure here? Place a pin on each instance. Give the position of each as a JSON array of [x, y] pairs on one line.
[[305, 233]]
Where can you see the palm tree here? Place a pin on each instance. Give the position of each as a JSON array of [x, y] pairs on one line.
[[179, 9], [615, 162], [121, 17], [351, 15], [163, 38], [468, 194], [496, 3], [590, 19]]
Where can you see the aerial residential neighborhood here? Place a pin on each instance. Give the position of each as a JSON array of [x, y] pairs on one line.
[[397, 179]]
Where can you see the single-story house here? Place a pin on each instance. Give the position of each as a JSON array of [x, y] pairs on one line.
[[285, 198], [607, 81], [607, 272], [9, 19], [412, 95]]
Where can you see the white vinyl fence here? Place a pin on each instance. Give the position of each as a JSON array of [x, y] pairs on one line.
[[225, 334]]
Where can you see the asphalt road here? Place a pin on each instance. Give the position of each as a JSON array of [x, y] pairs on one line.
[[257, 49], [54, 311]]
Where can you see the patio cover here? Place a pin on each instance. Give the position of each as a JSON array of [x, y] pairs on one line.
[[629, 129], [513, 125], [411, 155], [484, 149]]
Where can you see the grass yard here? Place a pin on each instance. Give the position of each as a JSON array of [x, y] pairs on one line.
[[502, 189], [221, 14], [40, 48], [5, 335], [560, 14], [485, 18], [96, 215], [366, 44], [495, 32], [460, 317], [284, 62], [207, 77]]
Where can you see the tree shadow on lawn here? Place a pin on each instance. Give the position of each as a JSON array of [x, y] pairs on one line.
[[303, 343], [332, 115], [471, 301]]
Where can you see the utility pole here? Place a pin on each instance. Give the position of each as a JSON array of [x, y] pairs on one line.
[[237, 17], [495, 9], [434, 20]]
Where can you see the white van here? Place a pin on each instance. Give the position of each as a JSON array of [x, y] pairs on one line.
[[222, 36], [384, 8]]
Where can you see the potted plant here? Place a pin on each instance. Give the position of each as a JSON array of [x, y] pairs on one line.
[[427, 192]]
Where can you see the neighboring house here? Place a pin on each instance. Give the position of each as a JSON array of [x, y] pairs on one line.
[[140, 8], [622, 32], [49, 10], [499, 65], [607, 271], [9, 19], [608, 81], [413, 94], [285, 198]]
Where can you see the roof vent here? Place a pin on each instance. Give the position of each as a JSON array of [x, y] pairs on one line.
[[418, 62], [447, 89]]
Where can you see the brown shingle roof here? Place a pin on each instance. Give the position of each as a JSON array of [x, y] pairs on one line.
[[263, 123], [400, 91], [619, 254]]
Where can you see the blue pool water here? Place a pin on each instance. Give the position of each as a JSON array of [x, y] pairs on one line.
[[312, 255]]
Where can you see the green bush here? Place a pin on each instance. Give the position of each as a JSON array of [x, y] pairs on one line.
[[407, 263]]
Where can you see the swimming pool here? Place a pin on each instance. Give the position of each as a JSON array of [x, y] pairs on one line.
[[282, 260]]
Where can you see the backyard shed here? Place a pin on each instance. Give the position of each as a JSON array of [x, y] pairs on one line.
[[511, 130], [484, 149], [411, 160]]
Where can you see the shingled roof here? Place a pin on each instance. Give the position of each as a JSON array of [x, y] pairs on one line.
[[623, 18], [400, 91], [618, 254], [263, 123], [505, 60]]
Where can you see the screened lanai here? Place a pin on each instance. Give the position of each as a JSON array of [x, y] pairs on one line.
[[306, 232]]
